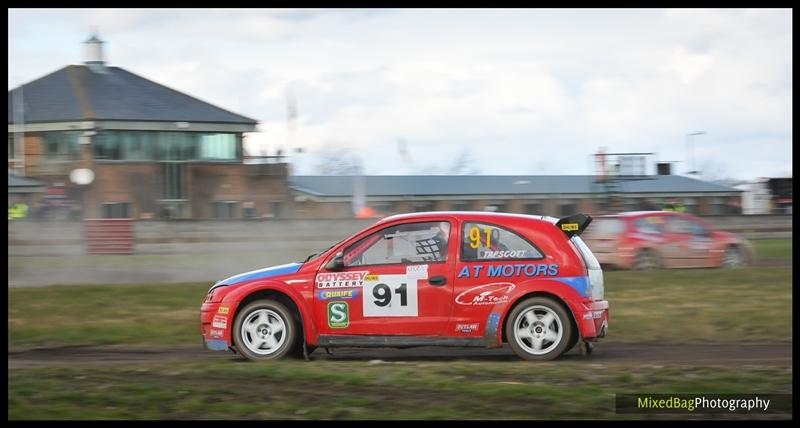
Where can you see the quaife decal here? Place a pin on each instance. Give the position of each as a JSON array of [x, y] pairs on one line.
[[508, 270], [340, 279], [467, 328], [337, 294], [338, 315], [487, 294], [223, 309], [219, 321]]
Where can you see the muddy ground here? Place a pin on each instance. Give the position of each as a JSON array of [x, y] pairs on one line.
[[724, 354]]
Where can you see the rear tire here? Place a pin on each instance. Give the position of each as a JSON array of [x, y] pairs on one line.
[[733, 258], [539, 329], [646, 260], [264, 330]]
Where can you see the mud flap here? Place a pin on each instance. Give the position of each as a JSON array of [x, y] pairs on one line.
[[585, 347], [305, 350]]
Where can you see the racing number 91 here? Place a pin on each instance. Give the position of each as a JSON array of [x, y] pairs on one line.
[[475, 237], [390, 296], [383, 294]]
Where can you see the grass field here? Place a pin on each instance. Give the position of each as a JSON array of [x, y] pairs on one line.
[[750, 304], [773, 248], [673, 306], [290, 389]]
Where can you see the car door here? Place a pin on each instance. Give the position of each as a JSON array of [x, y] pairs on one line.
[[676, 247], [395, 281], [699, 244], [489, 255]]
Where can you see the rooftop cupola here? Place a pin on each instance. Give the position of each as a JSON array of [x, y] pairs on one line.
[[94, 53]]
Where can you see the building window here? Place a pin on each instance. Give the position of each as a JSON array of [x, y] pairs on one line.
[[496, 207], [533, 208], [248, 210], [173, 181], [275, 207], [567, 208], [718, 206], [460, 205], [61, 145], [423, 206], [12, 154], [116, 210], [384, 208], [165, 145], [224, 209], [173, 209], [218, 146], [690, 205]]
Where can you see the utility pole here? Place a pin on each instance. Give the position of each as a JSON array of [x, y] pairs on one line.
[[19, 130], [690, 143]]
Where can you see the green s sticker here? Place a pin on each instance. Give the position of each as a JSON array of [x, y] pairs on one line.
[[338, 314]]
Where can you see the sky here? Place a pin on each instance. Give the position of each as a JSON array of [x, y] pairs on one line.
[[519, 91]]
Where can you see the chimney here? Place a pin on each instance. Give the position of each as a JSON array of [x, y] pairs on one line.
[[664, 168], [94, 54]]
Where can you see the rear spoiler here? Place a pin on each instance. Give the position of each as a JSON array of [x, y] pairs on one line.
[[574, 225]]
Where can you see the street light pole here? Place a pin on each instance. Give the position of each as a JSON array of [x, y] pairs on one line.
[[690, 144]]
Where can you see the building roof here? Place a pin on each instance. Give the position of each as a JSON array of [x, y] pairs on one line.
[[439, 185], [21, 182], [76, 93]]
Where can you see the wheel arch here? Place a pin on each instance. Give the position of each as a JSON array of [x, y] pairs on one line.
[[744, 250], [539, 293], [285, 299]]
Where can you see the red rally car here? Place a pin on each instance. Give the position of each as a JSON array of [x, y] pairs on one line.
[[423, 279], [644, 240]]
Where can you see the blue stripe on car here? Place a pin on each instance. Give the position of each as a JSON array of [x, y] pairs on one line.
[[261, 274], [579, 283]]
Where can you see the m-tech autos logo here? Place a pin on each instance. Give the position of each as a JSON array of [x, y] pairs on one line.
[[487, 294], [338, 315]]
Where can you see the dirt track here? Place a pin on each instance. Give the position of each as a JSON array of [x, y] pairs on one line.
[[725, 354]]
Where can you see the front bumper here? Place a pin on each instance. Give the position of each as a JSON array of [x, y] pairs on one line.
[[215, 326], [594, 320]]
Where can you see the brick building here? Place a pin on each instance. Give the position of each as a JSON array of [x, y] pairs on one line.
[[150, 151]]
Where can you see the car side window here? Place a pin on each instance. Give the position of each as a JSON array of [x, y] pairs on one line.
[[697, 229], [653, 225], [401, 244], [678, 225], [480, 241]]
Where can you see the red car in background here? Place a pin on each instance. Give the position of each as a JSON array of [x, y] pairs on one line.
[[645, 240]]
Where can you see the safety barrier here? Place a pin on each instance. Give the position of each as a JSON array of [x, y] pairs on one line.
[[109, 235]]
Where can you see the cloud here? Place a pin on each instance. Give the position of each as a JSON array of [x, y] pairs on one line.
[[524, 91]]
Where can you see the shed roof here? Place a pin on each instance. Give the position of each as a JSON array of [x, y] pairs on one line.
[[430, 185]]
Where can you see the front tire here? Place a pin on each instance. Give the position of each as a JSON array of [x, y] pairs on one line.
[[264, 330], [539, 329]]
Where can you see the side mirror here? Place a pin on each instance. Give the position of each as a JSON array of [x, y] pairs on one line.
[[336, 263]]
